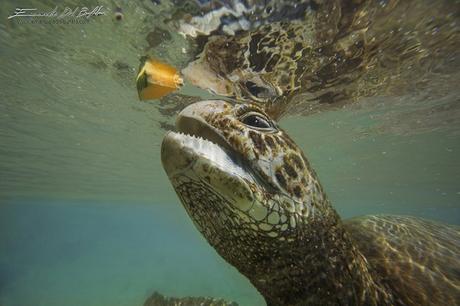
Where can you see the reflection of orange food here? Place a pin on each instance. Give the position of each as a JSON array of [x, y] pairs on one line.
[[156, 79]]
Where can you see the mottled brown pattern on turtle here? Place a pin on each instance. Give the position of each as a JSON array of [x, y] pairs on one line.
[[289, 241], [257, 147]]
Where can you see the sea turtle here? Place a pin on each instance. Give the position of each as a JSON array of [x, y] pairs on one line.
[[299, 57], [254, 196]]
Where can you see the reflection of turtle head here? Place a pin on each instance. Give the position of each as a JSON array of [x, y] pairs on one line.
[[261, 65], [251, 47]]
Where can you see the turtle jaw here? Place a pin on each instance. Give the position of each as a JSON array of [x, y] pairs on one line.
[[198, 153], [181, 152], [197, 141]]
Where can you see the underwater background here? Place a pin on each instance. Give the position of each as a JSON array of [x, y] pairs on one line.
[[87, 214]]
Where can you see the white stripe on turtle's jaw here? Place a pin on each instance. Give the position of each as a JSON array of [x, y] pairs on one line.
[[183, 151]]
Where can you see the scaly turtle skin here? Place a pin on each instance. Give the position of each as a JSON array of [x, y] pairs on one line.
[[252, 193]]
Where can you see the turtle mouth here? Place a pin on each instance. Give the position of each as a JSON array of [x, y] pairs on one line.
[[194, 127], [195, 140]]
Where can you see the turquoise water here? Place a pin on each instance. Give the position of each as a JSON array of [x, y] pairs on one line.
[[87, 215], [65, 253]]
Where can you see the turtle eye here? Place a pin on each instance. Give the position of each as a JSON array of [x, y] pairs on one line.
[[256, 120]]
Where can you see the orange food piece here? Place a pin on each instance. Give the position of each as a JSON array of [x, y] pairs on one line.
[[157, 79]]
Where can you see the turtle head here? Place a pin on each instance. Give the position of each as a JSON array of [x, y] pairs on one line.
[[243, 181]]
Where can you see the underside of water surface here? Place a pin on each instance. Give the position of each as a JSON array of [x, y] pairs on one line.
[[87, 214]]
